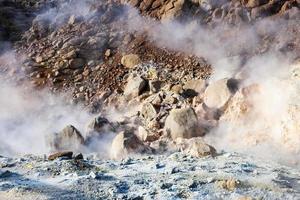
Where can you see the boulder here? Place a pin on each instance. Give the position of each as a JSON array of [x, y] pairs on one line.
[[241, 104], [195, 147], [97, 128], [183, 123], [134, 86], [126, 143], [67, 139], [197, 86], [218, 93], [130, 60]]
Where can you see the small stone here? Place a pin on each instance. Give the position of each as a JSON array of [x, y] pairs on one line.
[[177, 89], [71, 54], [72, 20], [107, 53], [39, 59], [230, 184], [67, 154]]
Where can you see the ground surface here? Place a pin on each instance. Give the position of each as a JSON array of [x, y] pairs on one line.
[[172, 176]]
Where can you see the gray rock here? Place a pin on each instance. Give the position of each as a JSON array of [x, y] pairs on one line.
[[126, 143], [98, 127], [77, 63], [183, 123], [197, 86], [148, 111], [195, 147], [67, 139], [155, 86], [134, 86], [218, 93]]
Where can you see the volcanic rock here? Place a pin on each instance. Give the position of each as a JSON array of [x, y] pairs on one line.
[[77, 63], [130, 60], [148, 111], [68, 139], [134, 86], [67, 154], [197, 86], [125, 143], [183, 123], [218, 93], [155, 85], [195, 147], [98, 127]]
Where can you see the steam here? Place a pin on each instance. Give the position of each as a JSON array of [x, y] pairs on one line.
[[270, 128], [59, 14]]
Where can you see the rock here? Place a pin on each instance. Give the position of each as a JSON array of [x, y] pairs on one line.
[[170, 100], [71, 54], [5, 174], [39, 59], [67, 139], [145, 136], [134, 86], [177, 89], [67, 154], [148, 111], [72, 20], [241, 103], [197, 86], [142, 133], [207, 5], [130, 60], [183, 123], [195, 147], [107, 53], [218, 93], [155, 86], [172, 10], [125, 143], [230, 184], [254, 3], [77, 63], [78, 156], [99, 125]]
